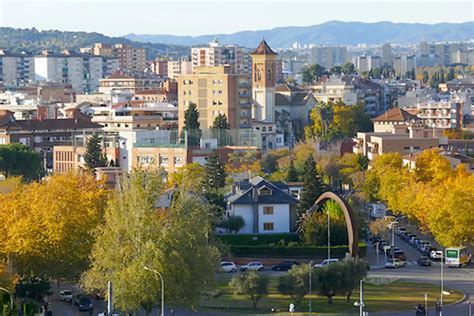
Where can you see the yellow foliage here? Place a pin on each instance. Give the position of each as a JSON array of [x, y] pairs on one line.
[[49, 226]]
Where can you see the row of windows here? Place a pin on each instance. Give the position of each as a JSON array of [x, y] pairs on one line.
[[264, 128], [164, 160]]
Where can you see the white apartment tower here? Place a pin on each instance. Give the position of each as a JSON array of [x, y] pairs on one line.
[[216, 55]]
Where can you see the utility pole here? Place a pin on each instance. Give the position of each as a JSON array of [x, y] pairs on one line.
[[110, 308], [361, 298], [162, 288], [442, 286], [310, 285], [329, 237]]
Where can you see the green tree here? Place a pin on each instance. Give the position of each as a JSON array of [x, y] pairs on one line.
[[220, 130], [291, 174], [232, 224], [313, 185], [93, 156], [312, 73], [175, 242], [328, 281], [19, 160], [348, 68], [353, 270], [253, 285], [214, 174], [191, 125], [295, 283]]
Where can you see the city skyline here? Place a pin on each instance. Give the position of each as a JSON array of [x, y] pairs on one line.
[[69, 15]]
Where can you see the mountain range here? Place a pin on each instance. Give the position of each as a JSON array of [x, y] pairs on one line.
[[35, 41], [329, 33]]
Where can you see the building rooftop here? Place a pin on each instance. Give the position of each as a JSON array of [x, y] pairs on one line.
[[395, 115], [245, 192], [263, 49]]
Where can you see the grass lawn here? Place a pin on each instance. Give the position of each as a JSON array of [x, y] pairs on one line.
[[386, 297]]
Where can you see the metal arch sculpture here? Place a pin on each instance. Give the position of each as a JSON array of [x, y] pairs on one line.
[[352, 231]]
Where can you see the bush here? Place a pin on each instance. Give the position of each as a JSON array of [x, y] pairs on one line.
[[233, 224], [294, 251], [259, 239]]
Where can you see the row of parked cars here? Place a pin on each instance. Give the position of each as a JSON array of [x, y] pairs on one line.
[[423, 246], [230, 267]]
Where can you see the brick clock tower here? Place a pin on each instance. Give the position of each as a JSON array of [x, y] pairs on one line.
[[263, 83]]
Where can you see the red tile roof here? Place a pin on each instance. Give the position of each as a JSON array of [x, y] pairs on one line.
[[263, 49], [395, 115]]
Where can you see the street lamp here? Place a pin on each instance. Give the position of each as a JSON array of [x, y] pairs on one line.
[[11, 298], [361, 303], [310, 285], [329, 236], [162, 288]]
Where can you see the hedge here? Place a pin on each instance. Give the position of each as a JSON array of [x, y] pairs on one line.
[[297, 251], [257, 239]]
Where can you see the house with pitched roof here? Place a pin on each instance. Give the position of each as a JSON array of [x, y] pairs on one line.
[[266, 207]]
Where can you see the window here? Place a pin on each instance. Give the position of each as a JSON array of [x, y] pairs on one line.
[[268, 210], [269, 128], [268, 226], [265, 191], [178, 160], [406, 148], [264, 129]]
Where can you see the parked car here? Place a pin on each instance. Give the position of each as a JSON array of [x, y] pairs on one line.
[[252, 266], [227, 266], [285, 265], [427, 250], [414, 241], [423, 261], [399, 255], [84, 303], [400, 230], [326, 262], [65, 295], [404, 236], [436, 255], [424, 245], [409, 237], [394, 263]]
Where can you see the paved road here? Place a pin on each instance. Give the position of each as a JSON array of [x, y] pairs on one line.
[[460, 279]]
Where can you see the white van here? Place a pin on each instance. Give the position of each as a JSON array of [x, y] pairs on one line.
[[326, 262]]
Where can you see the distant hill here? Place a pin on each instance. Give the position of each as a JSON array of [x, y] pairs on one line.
[[330, 33], [34, 41]]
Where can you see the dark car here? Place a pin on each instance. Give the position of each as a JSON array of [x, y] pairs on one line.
[[83, 303], [399, 254], [423, 261], [285, 265]]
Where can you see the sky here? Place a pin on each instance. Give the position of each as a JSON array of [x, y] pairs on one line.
[[197, 17]]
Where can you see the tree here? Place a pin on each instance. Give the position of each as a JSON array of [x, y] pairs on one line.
[[328, 280], [214, 174], [348, 68], [313, 185], [191, 125], [220, 130], [233, 224], [295, 283], [253, 285], [49, 227], [19, 160], [312, 73], [314, 230], [353, 270], [189, 176], [93, 156], [379, 228], [431, 166], [291, 174], [175, 242]]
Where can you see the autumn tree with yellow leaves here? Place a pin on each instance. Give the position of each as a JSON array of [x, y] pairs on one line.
[[439, 198], [48, 227]]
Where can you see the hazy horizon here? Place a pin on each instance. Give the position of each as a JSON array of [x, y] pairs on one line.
[[194, 18]]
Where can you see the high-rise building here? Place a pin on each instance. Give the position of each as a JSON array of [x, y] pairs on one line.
[[16, 69], [386, 54], [130, 58], [443, 50], [215, 90], [237, 58], [403, 64], [179, 67], [81, 71], [329, 56], [263, 83]]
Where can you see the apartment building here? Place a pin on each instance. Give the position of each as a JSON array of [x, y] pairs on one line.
[[179, 67], [387, 54], [160, 66], [443, 50], [216, 90], [131, 81], [130, 58], [403, 64], [81, 71], [237, 58], [442, 114], [329, 56], [367, 63], [16, 70], [334, 90]]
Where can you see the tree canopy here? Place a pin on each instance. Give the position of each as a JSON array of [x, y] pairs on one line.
[[191, 125], [19, 160], [94, 157], [313, 185]]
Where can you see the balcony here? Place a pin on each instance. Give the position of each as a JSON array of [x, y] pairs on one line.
[[246, 105]]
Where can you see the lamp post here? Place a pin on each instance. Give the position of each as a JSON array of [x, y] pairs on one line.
[[310, 285], [361, 303], [329, 237], [162, 288], [426, 304], [442, 285], [11, 298]]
